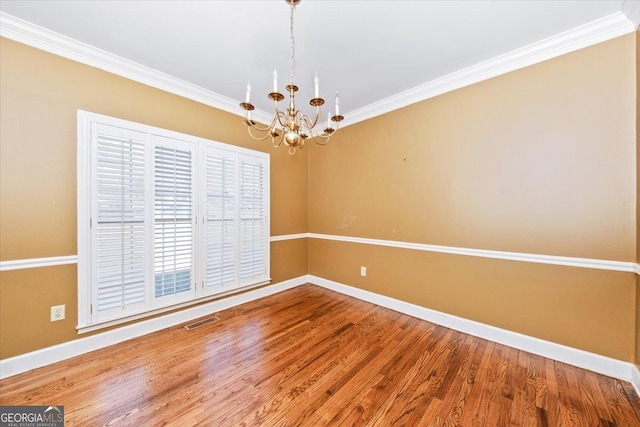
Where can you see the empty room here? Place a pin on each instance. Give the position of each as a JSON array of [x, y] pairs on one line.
[[319, 212]]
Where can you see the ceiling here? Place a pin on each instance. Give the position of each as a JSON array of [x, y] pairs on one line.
[[367, 51]]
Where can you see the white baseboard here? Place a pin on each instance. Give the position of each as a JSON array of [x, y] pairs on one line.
[[39, 358], [572, 356], [600, 364], [635, 378]]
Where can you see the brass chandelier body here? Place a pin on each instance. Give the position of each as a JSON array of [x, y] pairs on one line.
[[292, 127]]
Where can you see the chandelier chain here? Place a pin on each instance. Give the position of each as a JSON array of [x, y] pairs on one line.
[[292, 58]]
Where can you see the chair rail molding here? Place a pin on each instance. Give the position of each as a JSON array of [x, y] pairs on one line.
[[20, 264], [598, 264]]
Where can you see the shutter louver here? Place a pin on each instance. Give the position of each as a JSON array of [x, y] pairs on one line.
[[120, 222], [173, 213], [252, 219], [221, 224], [160, 212]]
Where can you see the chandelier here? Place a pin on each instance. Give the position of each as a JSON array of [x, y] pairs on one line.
[[292, 127]]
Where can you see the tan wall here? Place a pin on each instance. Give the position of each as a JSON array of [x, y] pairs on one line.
[[40, 94], [582, 308], [540, 160]]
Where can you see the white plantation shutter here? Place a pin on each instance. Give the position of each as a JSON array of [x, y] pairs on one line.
[[158, 213], [221, 226], [174, 236], [253, 238], [119, 232]]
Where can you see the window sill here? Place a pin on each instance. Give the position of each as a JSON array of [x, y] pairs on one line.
[[83, 329]]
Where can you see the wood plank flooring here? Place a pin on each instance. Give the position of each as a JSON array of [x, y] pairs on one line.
[[312, 357]]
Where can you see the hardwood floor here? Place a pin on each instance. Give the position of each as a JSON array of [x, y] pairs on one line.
[[312, 357]]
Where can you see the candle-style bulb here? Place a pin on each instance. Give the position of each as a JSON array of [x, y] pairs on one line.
[[247, 97], [329, 121], [316, 86], [337, 105], [275, 80]]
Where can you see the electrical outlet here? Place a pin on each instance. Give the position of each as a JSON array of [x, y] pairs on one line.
[[57, 313], [363, 271]]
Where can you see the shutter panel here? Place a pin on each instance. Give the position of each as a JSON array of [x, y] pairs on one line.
[[173, 220], [119, 230], [140, 190], [221, 224], [253, 235]]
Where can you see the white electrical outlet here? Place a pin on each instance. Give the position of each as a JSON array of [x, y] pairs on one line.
[[57, 313], [363, 271]]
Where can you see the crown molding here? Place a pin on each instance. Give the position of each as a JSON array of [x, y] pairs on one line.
[[600, 30], [41, 38], [631, 8]]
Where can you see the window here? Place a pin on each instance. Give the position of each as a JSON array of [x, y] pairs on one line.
[[164, 219]]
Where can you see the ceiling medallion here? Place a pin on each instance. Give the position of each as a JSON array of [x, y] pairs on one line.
[[292, 127]]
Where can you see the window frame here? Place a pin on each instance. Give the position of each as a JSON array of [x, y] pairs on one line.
[[86, 195]]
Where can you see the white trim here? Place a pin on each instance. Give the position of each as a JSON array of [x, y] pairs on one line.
[[575, 357], [83, 194], [598, 264], [580, 358], [19, 264], [600, 30], [152, 136], [289, 237], [635, 378], [631, 8], [484, 253], [33, 35], [36, 359]]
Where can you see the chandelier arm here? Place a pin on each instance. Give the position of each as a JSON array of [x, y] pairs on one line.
[[268, 130], [258, 128], [337, 127], [273, 140], [310, 123], [281, 118], [320, 139], [315, 120], [259, 138], [305, 120]]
